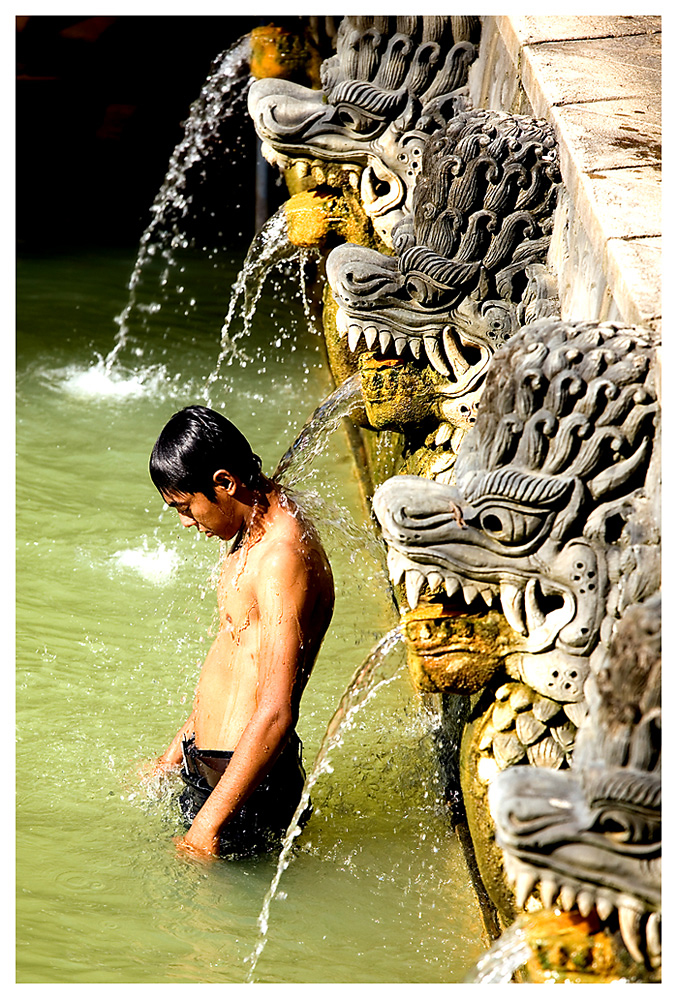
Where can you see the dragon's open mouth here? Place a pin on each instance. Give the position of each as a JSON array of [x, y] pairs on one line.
[[559, 839], [446, 349], [532, 608], [640, 930]]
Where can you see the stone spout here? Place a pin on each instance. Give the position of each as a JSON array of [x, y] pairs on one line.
[[454, 652]]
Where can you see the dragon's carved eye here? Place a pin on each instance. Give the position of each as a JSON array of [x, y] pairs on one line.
[[626, 827], [509, 525], [355, 121]]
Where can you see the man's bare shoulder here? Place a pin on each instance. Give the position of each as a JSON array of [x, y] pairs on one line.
[[288, 535], [290, 544]]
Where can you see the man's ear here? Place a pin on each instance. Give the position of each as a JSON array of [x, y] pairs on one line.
[[226, 480]]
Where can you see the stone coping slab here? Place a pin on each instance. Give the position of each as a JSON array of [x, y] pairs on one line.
[[597, 79]]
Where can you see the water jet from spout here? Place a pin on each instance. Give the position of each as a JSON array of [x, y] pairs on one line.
[[223, 92], [271, 248], [508, 953], [364, 684], [313, 436]]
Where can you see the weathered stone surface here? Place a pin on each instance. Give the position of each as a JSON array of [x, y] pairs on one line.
[[561, 73], [529, 29], [634, 266], [447, 652], [607, 135], [597, 79]]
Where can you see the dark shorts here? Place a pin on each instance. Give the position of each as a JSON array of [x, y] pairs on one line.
[[262, 821]]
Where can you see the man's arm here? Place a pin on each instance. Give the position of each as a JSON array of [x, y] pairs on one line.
[[281, 599], [172, 755]]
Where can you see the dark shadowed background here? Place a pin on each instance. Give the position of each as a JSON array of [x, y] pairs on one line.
[[100, 103]]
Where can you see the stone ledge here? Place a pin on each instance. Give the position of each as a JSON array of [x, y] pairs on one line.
[[598, 81]]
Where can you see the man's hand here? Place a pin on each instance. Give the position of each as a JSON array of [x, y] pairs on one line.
[[155, 768], [200, 839]]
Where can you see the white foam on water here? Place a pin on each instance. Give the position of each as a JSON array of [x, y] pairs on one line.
[[95, 382], [157, 565]]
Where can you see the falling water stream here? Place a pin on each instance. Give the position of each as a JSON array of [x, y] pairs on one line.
[[221, 97], [508, 953], [270, 249], [313, 436], [363, 685]]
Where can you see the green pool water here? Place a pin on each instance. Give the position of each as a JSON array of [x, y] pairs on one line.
[[115, 610]]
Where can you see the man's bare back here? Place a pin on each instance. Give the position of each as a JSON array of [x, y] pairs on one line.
[[275, 598]]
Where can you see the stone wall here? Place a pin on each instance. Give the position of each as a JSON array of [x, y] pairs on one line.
[[597, 80]]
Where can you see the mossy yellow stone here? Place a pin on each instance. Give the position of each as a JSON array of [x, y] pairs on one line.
[[276, 52], [310, 218], [570, 948], [455, 652]]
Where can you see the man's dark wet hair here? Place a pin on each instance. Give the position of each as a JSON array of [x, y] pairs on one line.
[[193, 445]]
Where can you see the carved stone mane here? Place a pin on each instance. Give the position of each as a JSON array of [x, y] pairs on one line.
[[398, 69], [482, 209]]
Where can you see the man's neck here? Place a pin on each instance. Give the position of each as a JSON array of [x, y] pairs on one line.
[[259, 504]]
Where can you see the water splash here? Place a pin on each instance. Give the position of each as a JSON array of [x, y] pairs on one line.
[[504, 958], [271, 248], [156, 565], [330, 517], [313, 436], [372, 674], [222, 96], [98, 382]]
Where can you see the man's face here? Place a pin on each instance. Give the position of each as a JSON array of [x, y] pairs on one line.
[[211, 517]]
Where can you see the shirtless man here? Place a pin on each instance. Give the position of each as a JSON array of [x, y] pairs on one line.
[[240, 755]]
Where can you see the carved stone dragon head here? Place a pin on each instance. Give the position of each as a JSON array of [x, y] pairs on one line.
[[470, 265], [590, 837], [392, 82], [542, 525]]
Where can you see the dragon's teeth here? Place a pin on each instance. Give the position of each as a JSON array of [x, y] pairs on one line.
[[512, 606], [400, 344], [434, 580], [653, 936], [629, 925], [457, 438], [354, 333], [414, 583], [470, 592], [487, 595], [416, 347], [435, 355], [443, 434], [452, 585], [510, 866], [604, 907], [524, 886], [533, 613], [396, 565], [584, 902], [370, 334], [384, 340], [548, 890], [568, 897]]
